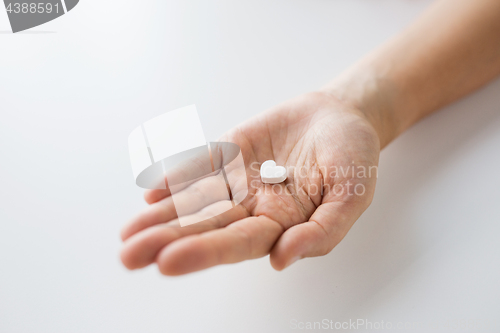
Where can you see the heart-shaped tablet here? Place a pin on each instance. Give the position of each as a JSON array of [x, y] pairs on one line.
[[272, 174], [26, 14]]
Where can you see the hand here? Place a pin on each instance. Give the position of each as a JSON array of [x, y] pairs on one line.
[[331, 151]]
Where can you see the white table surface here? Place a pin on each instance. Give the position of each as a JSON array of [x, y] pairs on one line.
[[426, 252]]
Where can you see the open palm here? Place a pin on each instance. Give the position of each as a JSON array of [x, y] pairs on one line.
[[330, 151]]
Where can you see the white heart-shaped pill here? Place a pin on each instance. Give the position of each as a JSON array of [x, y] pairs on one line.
[[272, 174]]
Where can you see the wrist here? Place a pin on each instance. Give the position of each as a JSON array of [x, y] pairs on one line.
[[374, 96]]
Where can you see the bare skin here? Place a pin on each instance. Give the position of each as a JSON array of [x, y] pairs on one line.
[[313, 132], [451, 50]]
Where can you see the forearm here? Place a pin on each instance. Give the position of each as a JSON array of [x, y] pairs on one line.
[[453, 49]]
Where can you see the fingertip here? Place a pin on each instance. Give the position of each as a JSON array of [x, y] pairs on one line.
[[130, 227], [278, 265], [149, 197], [125, 233], [126, 259], [155, 195], [128, 230], [300, 241], [276, 259], [183, 256], [280, 259], [153, 215]]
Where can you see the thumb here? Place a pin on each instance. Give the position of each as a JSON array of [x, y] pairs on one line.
[[318, 236]]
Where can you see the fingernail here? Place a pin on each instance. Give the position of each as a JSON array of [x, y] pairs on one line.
[[292, 261]]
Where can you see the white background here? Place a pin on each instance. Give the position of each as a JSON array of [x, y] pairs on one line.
[[71, 91]]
